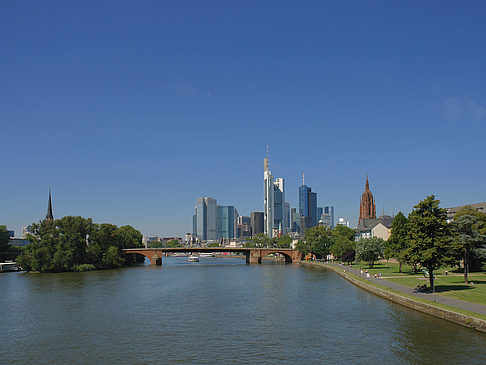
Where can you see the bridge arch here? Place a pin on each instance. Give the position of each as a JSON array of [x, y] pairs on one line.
[[285, 255]]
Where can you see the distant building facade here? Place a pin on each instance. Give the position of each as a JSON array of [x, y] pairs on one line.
[[451, 212], [307, 206], [256, 223], [374, 227], [225, 222], [243, 226], [274, 214], [327, 217], [206, 219]]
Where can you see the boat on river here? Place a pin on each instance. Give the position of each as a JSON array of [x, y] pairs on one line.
[[206, 254], [193, 258], [9, 266]]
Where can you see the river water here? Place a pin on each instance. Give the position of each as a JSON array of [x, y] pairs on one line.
[[219, 310]]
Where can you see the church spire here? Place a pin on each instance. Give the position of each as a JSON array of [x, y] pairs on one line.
[[367, 207], [49, 215]]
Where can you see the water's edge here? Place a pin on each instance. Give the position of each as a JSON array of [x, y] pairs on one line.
[[456, 317]]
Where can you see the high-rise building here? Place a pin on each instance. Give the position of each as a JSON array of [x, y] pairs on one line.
[[226, 222], [206, 216], [367, 208], [287, 218], [26, 230], [308, 205], [273, 202], [327, 217], [267, 198], [244, 226], [293, 220], [256, 223], [279, 204]]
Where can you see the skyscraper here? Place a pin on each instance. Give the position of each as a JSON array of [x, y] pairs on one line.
[[273, 202], [206, 214], [256, 222], [308, 205], [279, 204], [267, 198], [226, 222], [367, 208]]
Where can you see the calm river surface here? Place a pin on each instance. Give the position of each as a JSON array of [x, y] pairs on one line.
[[219, 310]]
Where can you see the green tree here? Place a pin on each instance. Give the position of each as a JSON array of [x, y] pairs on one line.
[[281, 242], [370, 249], [260, 240], [214, 244], [398, 242], [343, 231], [342, 240], [173, 244], [349, 256], [4, 239], [468, 239], [341, 244], [319, 240], [429, 235], [303, 247], [73, 243], [112, 259], [129, 237]]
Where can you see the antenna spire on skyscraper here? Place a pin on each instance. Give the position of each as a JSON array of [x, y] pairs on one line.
[[303, 180]]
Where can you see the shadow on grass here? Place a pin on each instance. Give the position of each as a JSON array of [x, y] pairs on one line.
[[457, 287]]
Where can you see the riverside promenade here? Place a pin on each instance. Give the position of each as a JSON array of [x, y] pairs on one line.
[[467, 314], [456, 303]]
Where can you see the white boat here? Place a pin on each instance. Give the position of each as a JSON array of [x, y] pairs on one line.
[[193, 258], [206, 254]]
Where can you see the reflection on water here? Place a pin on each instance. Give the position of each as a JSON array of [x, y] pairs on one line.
[[219, 310]]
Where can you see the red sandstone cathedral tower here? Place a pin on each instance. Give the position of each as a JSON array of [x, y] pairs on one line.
[[367, 208]]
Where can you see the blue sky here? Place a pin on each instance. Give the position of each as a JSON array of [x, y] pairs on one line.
[[132, 110]]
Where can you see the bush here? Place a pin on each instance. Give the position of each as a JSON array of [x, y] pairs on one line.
[[84, 267]]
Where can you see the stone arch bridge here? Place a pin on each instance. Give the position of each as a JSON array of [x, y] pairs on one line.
[[253, 255]]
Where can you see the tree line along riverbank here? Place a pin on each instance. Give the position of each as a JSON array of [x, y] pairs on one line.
[[78, 244]]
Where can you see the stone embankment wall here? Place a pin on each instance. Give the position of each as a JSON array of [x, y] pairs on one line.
[[456, 317]]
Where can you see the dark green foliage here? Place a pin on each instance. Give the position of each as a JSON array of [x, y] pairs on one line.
[[429, 236], [370, 250], [343, 231], [342, 240], [4, 238], [260, 240], [71, 243], [468, 242], [174, 244], [341, 245], [281, 242], [214, 244], [397, 244], [348, 256], [318, 241]]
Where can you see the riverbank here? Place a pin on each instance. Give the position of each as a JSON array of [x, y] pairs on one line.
[[455, 314]]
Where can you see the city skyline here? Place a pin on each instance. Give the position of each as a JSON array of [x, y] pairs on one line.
[[132, 113]]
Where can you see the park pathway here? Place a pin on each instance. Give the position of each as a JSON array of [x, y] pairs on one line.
[[460, 304]]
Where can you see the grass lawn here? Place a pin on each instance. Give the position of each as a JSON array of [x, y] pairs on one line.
[[391, 269], [452, 286]]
